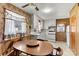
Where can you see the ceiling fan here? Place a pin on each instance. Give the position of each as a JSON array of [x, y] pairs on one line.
[[31, 4]]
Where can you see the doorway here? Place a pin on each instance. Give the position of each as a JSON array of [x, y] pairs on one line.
[[61, 25]]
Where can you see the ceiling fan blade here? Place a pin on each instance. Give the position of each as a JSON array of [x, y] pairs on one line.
[[31, 4], [25, 5], [37, 8]]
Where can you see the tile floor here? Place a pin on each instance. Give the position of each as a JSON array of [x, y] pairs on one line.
[[63, 45]]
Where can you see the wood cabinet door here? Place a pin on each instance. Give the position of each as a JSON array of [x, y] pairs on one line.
[[61, 36], [73, 34]]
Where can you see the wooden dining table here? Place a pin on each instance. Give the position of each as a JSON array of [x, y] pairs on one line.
[[43, 48]]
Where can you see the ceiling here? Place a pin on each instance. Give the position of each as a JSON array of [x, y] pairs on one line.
[[58, 10]]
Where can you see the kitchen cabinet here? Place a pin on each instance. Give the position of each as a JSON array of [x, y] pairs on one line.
[[74, 24], [36, 23]]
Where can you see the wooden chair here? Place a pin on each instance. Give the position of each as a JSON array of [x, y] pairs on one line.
[[59, 51], [10, 53], [7, 47], [56, 52]]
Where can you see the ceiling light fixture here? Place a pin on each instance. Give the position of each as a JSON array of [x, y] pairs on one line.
[[47, 10]]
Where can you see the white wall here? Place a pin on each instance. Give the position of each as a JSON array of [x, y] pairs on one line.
[[63, 10], [48, 23]]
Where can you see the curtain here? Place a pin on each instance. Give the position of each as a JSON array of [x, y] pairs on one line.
[[9, 27], [23, 25], [14, 23]]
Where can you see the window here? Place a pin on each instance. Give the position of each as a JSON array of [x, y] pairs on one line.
[[60, 28], [14, 24]]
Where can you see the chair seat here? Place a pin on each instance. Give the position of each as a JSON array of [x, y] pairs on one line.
[[23, 54]]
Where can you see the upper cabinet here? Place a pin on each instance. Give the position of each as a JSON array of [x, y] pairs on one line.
[[73, 15], [37, 23]]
